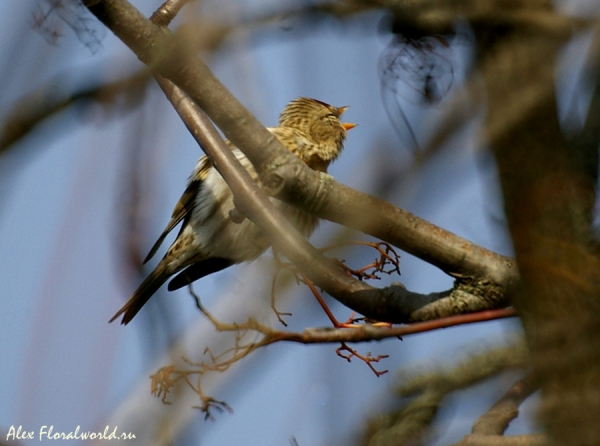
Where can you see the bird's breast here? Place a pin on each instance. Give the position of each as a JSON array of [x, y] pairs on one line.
[[216, 235]]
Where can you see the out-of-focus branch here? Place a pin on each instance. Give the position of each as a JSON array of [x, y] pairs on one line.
[[439, 16], [46, 102], [496, 420], [549, 187], [426, 390], [498, 440]]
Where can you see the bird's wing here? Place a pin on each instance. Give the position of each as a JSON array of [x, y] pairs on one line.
[[186, 203], [197, 271]]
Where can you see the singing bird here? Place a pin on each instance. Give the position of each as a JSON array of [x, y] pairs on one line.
[[209, 240]]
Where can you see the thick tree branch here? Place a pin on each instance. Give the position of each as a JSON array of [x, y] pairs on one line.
[[322, 196]]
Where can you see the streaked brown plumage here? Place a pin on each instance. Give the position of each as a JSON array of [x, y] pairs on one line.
[[208, 240]]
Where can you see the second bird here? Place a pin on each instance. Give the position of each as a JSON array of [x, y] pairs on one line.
[[208, 240]]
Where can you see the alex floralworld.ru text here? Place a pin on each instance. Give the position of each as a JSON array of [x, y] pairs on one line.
[[48, 433]]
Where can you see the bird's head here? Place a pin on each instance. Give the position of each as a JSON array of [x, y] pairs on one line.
[[320, 121]]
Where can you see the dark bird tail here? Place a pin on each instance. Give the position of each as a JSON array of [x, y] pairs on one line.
[[197, 271], [144, 292]]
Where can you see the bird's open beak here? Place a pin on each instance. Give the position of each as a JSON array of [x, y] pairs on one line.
[[346, 125]]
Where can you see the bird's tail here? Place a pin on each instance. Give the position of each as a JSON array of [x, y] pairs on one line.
[[144, 292]]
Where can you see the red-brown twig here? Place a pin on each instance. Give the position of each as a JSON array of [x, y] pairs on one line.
[[311, 286], [280, 265], [387, 257], [165, 379], [367, 359]]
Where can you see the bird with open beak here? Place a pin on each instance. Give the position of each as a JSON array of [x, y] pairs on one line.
[[209, 240]]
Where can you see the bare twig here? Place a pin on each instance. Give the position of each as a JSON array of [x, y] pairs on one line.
[[388, 257], [369, 332], [279, 314], [348, 353], [357, 333], [262, 335], [165, 379]]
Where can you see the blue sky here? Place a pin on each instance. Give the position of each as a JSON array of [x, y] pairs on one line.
[[63, 274]]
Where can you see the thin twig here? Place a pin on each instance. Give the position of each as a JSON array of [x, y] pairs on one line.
[[367, 359]]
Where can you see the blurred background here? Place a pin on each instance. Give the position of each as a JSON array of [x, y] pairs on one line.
[[85, 192]]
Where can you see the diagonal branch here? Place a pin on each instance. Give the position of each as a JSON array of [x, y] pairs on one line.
[[56, 95], [322, 196]]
